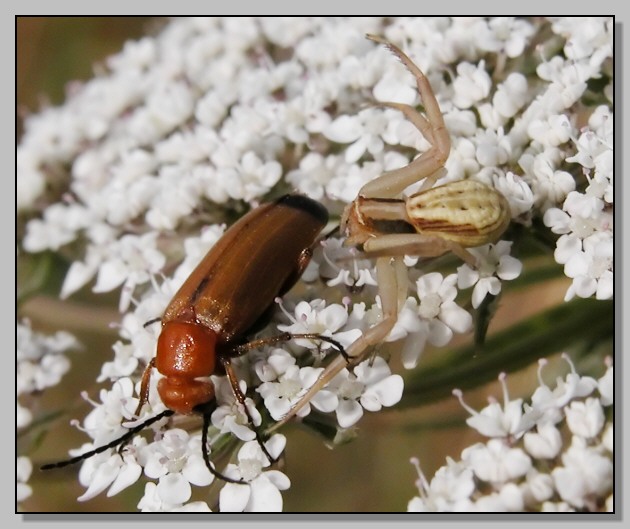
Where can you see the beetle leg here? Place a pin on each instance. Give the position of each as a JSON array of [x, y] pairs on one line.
[[144, 386], [206, 453], [389, 274], [241, 349], [240, 397]]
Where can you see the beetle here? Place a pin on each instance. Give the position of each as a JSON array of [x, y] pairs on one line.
[[226, 297], [431, 222]]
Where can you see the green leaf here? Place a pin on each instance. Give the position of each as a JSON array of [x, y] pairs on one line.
[[40, 273], [578, 322]]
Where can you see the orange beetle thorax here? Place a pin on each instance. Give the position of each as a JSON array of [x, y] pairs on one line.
[[185, 351]]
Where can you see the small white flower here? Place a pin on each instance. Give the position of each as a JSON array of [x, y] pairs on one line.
[[608, 438], [455, 481], [494, 420], [103, 423], [549, 184], [518, 193], [371, 387], [363, 130], [552, 131], [547, 403], [584, 473], [508, 499], [279, 395], [606, 387], [437, 301], [495, 462], [153, 501], [261, 493], [436, 317], [585, 419], [591, 269], [110, 471], [491, 259], [314, 173], [40, 359], [60, 225], [546, 443], [350, 178], [345, 265], [449, 490], [506, 34], [511, 95], [493, 148], [176, 461], [471, 85], [23, 469], [538, 487], [318, 318], [230, 417]]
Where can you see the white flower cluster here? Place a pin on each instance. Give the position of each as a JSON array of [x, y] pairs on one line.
[[193, 125], [585, 221], [40, 364], [553, 454]]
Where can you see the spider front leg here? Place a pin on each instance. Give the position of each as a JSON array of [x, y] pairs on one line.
[[393, 183], [355, 221], [392, 281]]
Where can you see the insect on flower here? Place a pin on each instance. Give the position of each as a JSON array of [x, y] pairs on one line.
[[431, 222], [228, 296]]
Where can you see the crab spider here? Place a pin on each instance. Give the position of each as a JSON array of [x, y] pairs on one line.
[[431, 222]]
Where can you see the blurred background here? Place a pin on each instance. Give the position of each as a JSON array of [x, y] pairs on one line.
[[371, 473]]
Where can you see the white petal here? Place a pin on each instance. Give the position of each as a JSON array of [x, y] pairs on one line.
[[466, 276], [546, 443], [388, 391], [128, 475], [585, 418], [195, 506], [105, 475], [276, 444], [325, 401], [457, 318], [348, 413], [585, 287], [265, 497], [509, 268], [355, 151], [196, 471], [344, 129], [279, 480], [439, 333], [566, 247], [234, 498], [605, 286], [78, 275], [577, 265], [429, 283], [111, 275], [174, 488], [412, 349]]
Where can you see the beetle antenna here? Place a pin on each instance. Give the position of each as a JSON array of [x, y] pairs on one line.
[[151, 322], [132, 431]]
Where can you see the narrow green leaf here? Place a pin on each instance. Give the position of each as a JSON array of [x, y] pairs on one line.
[[558, 329]]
